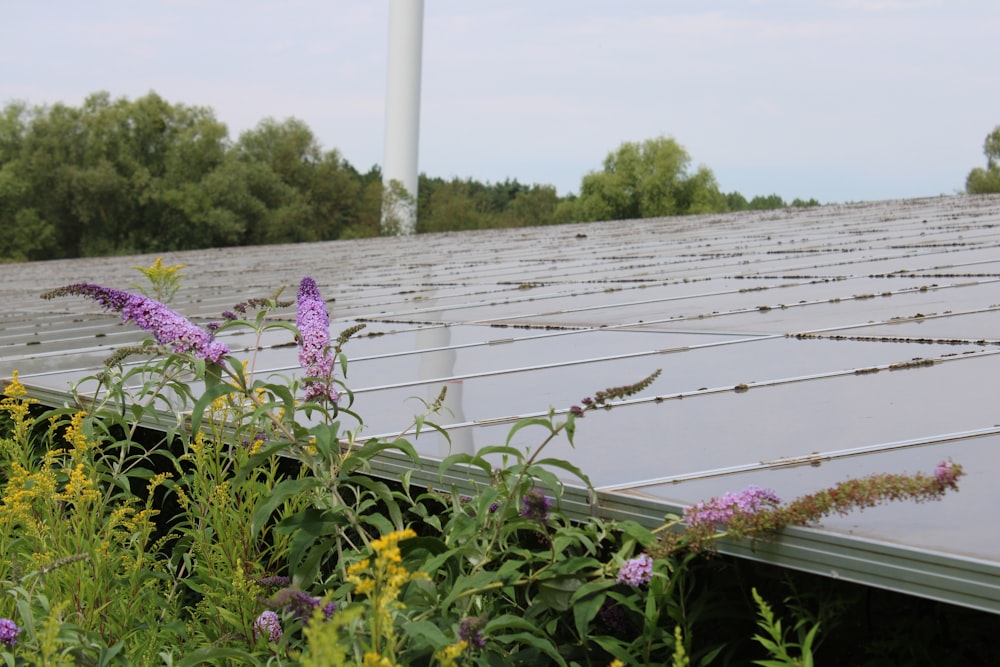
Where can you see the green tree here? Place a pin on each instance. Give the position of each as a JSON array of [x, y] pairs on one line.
[[648, 179], [307, 194], [112, 176], [455, 205], [983, 181], [766, 203], [368, 219], [531, 207], [735, 201]]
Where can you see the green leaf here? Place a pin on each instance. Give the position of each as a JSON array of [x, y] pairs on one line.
[[311, 520], [466, 583], [503, 450], [215, 654], [279, 494], [360, 457], [584, 612], [570, 428], [432, 545], [529, 421], [637, 532], [508, 622], [465, 459], [305, 556], [426, 631], [567, 466], [556, 593], [543, 644], [614, 646], [590, 588]]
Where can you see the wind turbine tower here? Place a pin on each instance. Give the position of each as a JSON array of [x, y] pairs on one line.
[[402, 116]]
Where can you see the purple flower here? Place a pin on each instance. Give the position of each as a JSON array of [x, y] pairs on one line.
[[315, 356], [719, 511], [535, 506], [302, 606], [471, 630], [8, 632], [947, 472], [577, 411], [636, 571], [166, 325], [268, 626]]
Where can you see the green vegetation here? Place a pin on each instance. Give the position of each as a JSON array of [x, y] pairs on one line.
[[192, 509], [116, 176], [984, 181]]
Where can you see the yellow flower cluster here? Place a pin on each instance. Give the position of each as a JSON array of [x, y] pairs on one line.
[[381, 579], [79, 488], [448, 656], [386, 576], [16, 403], [25, 490], [373, 659], [75, 435]]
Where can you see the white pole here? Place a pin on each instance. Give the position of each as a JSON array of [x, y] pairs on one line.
[[402, 116]]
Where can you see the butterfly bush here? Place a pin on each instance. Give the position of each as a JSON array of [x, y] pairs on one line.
[[535, 505], [267, 626], [315, 355], [470, 630], [636, 571], [167, 326], [8, 632], [756, 512], [719, 511]]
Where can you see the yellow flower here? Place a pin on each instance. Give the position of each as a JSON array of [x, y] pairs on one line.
[[449, 654], [373, 659], [75, 435], [15, 389], [80, 487], [382, 580], [16, 403], [616, 663], [156, 480]]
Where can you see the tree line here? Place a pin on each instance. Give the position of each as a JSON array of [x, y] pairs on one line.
[[985, 181], [120, 176]]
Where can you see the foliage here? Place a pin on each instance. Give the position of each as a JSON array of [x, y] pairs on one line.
[[648, 179], [738, 202], [775, 642], [119, 176], [984, 181], [245, 527]]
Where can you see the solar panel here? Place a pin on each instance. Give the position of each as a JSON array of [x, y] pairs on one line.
[[798, 347]]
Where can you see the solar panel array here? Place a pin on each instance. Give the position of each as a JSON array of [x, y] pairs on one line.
[[798, 348]]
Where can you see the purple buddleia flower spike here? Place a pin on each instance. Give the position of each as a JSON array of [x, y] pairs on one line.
[[470, 629], [535, 505], [718, 511], [167, 326], [315, 355], [636, 571], [8, 632], [268, 626]]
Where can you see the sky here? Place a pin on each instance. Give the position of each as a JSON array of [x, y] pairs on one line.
[[838, 100]]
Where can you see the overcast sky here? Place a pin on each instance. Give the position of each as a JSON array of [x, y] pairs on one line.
[[842, 100]]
